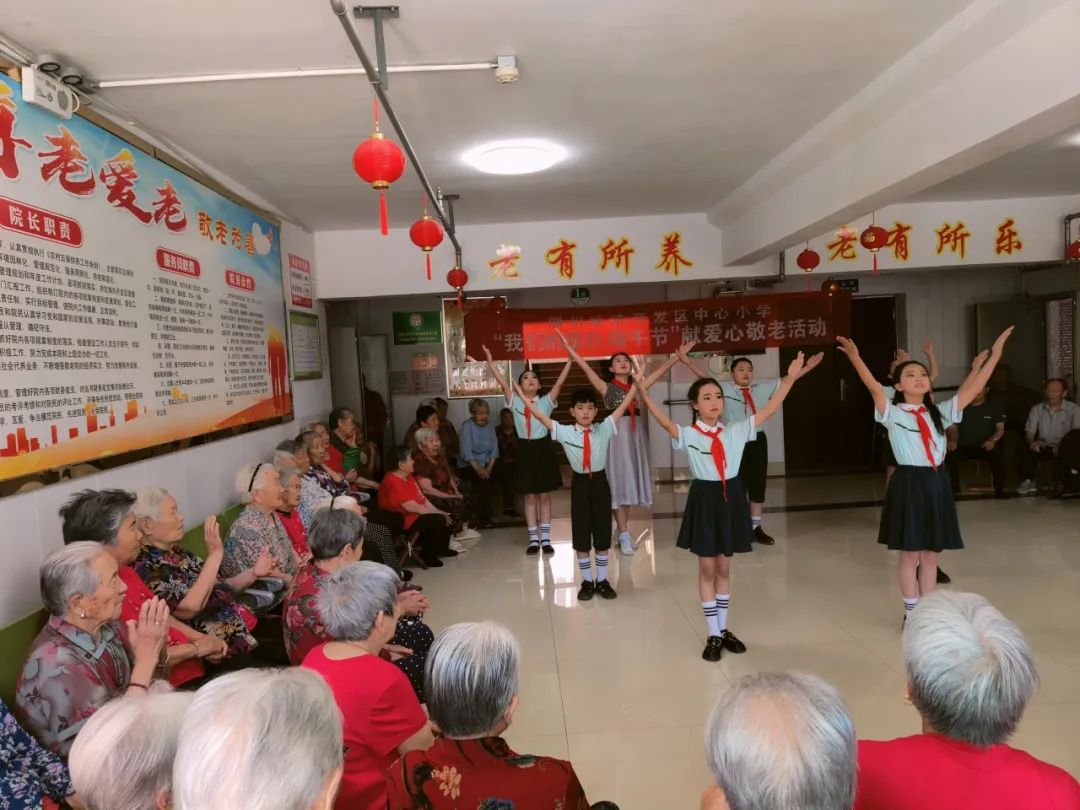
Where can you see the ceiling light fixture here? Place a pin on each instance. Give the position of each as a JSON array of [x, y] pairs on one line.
[[518, 156], [299, 73]]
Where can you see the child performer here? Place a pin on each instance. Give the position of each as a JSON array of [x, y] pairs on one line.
[[628, 457], [536, 470], [919, 517], [716, 520], [741, 398], [586, 446]]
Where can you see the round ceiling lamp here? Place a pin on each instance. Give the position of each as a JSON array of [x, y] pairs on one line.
[[519, 156]]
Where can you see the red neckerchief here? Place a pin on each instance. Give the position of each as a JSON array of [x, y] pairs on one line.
[[528, 416], [748, 401], [632, 409], [717, 449], [586, 451], [929, 445]]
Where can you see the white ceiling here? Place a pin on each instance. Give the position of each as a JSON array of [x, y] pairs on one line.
[[664, 110], [1048, 168]]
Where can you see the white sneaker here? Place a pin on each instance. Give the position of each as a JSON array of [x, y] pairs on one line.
[[626, 545], [467, 534], [1027, 488]]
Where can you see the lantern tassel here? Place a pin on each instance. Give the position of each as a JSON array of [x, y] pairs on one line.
[[875, 262], [460, 297], [384, 216], [428, 257], [809, 286]]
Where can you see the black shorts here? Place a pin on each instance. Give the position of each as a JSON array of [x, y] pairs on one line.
[[590, 511], [755, 468]]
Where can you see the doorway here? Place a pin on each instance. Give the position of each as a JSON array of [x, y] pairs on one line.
[[829, 415]]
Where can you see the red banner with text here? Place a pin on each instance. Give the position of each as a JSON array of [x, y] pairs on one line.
[[728, 324]]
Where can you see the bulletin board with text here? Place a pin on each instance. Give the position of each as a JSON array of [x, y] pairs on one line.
[[138, 307]]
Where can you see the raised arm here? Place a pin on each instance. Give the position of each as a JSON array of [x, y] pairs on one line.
[[595, 379], [881, 401], [657, 414], [199, 593], [685, 359], [667, 365], [556, 389], [545, 420], [932, 368], [797, 368], [978, 378], [499, 378]]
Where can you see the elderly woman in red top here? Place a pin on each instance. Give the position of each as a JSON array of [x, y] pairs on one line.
[[382, 717], [970, 676], [400, 492], [472, 695], [108, 517], [78, 663]]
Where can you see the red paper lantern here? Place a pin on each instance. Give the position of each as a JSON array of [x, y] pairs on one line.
[[426, 234], [498, 304], [808, 260], [874, 239], [380, 162], [458, 278], [1074, 250], [830, 286]]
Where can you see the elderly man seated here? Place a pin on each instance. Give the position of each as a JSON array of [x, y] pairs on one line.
[[472, 683], [268, 739], [336, 541], [258, 544], [970, 677], [1048, 424], [123, 757], [780, 740]]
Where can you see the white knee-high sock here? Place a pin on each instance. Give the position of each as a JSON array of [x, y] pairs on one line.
[[723, 601], [585, 564], [711, 619]]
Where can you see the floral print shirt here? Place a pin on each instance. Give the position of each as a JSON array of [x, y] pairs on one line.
[[435, 470], [67, 676], [326, 482], [250, 534], [310, 495], [484, 774], [303, 628], [171, 574], [28, 773]]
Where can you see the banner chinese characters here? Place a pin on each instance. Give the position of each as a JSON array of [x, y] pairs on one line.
[[720, 325]]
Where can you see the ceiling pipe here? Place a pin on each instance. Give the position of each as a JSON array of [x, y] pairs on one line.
[[341, 11]]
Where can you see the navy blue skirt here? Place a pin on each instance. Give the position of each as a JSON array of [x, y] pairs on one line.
[[919, 512], [712, 525], [536, 470]]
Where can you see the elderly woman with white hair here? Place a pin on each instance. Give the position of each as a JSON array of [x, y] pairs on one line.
[[188, 584], [382, 716], [78, 662], [335, 543], [257, 545], [259, 740], [970, 676], [441, 485], [780, 740], [472, 695], [123, 757]]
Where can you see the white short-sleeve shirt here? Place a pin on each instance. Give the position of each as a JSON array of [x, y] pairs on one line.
[[904, 435], [737, 407], [532, 428], [698, 447]]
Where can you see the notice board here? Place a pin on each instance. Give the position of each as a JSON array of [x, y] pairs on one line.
[[137, 306]]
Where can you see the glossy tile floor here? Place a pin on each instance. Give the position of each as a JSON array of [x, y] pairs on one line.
[[620, 689]]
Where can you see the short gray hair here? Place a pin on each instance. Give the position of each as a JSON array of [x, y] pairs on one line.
[[286, 472], [283, 458], [350, 599], [148, 503], [332, 530], [241, 730], [476, 404], [67, 573], [424, 435], [970, 669], [471, 677], [249, 478], [123, 756], [782, 739]]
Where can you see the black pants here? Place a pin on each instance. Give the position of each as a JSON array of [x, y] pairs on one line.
[[503, 474], [480, 493], [1030, 460], [755, 468], [434, 535], [995, 457], [590, 511]]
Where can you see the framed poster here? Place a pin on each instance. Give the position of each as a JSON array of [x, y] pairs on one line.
[[465, 379], [306, 346], [411, 328]]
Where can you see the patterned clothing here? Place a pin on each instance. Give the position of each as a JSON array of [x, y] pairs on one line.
[[483, 774], [439, 473], [250, 534], [171, 574], [326, 482], [28, 773], [67, 676], [628, 471], [137, 594], [310, 495]]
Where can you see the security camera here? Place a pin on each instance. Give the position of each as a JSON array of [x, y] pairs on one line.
[[47, 63], [506, 70], [72, 77]]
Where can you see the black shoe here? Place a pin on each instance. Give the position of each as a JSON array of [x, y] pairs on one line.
[[761, 537], [548, 549], [603, 587], [533, 549], [586, 592], [448, 553], [732, 644], [433, 562], [405, 574], [714, 648], [943, 578]]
